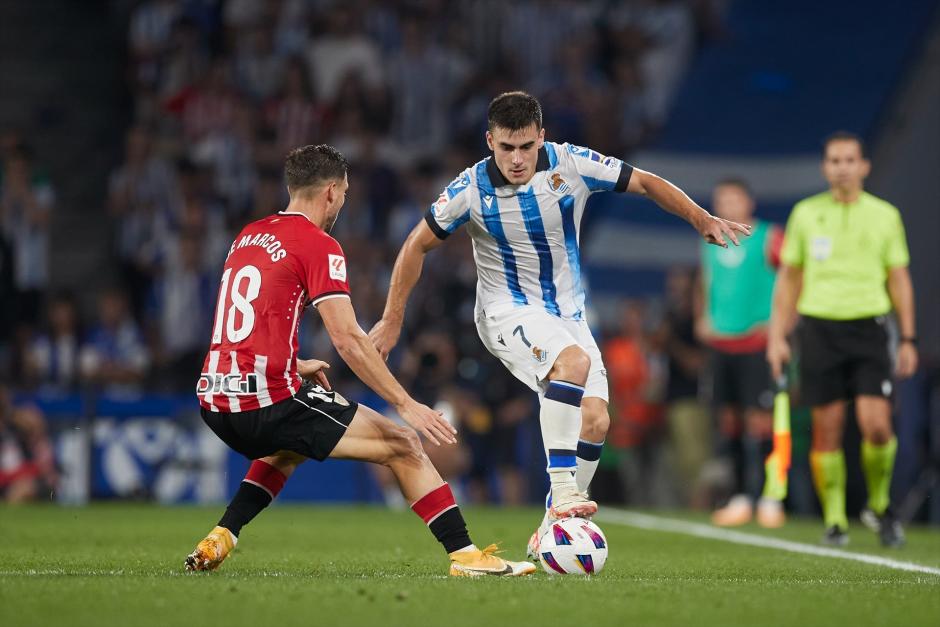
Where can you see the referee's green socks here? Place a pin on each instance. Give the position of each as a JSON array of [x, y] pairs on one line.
[[829, 478], [878, 465]]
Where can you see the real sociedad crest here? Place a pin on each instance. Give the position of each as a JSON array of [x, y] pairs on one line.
[[557, 183]]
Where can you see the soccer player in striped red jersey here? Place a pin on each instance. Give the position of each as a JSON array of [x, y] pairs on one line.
[[278, 410]]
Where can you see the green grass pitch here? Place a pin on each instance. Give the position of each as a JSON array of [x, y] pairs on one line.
[[122, 565]]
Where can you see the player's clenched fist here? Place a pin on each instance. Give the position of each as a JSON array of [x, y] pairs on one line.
[[428, 422]]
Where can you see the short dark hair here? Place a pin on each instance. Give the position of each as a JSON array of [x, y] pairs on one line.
[[843, 136], [514, 110], [734, 181], [308, 166]]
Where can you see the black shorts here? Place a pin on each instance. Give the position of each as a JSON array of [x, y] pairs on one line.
[[741, 379], [310, 423], [841, 359]]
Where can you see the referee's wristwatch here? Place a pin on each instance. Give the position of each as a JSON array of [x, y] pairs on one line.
[[909, 339]]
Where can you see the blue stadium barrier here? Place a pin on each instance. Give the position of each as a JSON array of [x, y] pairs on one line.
[[156, 448]]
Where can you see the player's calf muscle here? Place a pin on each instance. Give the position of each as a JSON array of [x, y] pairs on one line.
[[595, 422], [285, 461], [409, 463]]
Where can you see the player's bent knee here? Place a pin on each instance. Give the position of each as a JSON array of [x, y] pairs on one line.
[[826, 440], [759, 424], [407, 445], [573, 364], [578, 358], [880, 436]]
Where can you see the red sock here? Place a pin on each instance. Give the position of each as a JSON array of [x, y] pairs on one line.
[[434, 503], [439, 511], [266, 477]]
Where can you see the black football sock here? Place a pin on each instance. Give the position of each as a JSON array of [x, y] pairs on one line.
[[248, 502], [261, 484], [439, 511]]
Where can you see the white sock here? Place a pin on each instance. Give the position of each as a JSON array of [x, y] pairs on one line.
[[589, 455], [560, 420]]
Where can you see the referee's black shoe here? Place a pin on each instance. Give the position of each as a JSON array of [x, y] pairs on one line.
[[835, 536], [886, 525]]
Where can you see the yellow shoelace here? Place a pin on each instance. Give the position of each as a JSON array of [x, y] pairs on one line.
[[491, 550]]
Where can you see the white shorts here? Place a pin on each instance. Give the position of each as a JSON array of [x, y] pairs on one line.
[[528, 340]]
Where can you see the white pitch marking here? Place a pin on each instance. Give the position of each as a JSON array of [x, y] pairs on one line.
[[671, 525]]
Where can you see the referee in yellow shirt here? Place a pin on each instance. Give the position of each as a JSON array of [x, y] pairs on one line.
[[844, 267]]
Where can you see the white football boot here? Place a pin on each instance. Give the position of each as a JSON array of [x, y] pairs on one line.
[[565, 503], [569, 502]]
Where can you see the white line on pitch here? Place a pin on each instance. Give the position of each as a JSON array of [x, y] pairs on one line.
[[671, 525], [60, 572]]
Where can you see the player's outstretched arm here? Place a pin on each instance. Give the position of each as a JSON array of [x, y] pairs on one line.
[[405, 274], [356, 349], [782, 316], [712, 229]]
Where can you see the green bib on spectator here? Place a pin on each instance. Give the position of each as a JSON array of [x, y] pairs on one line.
[[739, 283]]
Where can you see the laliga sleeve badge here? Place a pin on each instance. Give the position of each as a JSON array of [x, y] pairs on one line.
[[337, 267]]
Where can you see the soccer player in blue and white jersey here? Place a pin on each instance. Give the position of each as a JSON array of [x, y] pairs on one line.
[[522, 207]]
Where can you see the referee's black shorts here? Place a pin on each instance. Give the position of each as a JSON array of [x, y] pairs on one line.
[[842, 359], [310, 423]]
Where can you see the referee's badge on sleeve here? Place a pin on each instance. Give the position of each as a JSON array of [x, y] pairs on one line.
[[337, 267]]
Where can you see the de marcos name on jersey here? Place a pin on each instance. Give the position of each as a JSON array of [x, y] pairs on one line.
[[268, 242]]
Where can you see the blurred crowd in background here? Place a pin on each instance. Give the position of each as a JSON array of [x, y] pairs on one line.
[[222, 91]]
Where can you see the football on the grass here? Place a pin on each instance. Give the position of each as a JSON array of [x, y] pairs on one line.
[[573, 546]]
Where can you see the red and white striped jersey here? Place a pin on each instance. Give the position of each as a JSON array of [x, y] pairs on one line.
[[275, 268]]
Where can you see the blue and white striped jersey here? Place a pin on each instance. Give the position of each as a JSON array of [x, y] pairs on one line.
[[525, 237]]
